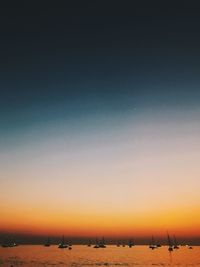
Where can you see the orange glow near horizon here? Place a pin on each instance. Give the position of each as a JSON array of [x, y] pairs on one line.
[[186, 224], [139, 179]]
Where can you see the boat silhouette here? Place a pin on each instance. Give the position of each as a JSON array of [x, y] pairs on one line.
[[63, 244], [48, 243], [118, 243], [152, 245], [102, 243], [189, 247], [89, 243], [70, 245], [131, 243], [170, 246], [175, 243], [9, 244], [96, 244]]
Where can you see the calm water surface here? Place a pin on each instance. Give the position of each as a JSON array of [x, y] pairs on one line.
[[140, 256]]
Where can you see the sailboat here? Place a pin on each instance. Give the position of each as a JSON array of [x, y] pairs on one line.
[[175, 243], [63, 244], [70, 245], [13, 244], [131, 243], [152, 245], [102, 243], [48, 243], [9, 244], [170, 248], [97, 244], [123, 244], [89, 243], [118, 243]]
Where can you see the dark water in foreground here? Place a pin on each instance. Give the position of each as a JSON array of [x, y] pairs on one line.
[[139, 256]]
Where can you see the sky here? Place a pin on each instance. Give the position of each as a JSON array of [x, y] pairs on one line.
[[99, 120]]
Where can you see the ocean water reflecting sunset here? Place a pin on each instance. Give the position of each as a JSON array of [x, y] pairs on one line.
[[141, 256]]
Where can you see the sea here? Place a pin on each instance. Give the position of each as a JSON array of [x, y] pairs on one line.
[[79, 255]]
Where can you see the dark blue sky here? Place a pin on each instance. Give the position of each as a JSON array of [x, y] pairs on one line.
[[96, 57]]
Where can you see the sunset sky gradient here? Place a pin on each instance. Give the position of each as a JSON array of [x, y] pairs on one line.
[[100, 132]]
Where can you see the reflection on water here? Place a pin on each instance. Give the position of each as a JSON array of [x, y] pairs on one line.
[[140, 256]]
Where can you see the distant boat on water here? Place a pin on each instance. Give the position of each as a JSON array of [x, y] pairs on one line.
[[63, 244], [152, 245], [189, 247], [175, 243], [118, 243], [102, 243], [89, 243], [170, 246], [96, 244], [9, 245], [131, 243], [70, 245], [48, 243]]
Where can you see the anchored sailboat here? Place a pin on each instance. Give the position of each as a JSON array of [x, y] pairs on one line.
[[97, 244], [48, 243], [9, 244], [152, 245], [170, 248], [63, 244], [102, 243], [175, 243], [89, 243], [131, 243], [118, 243]]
